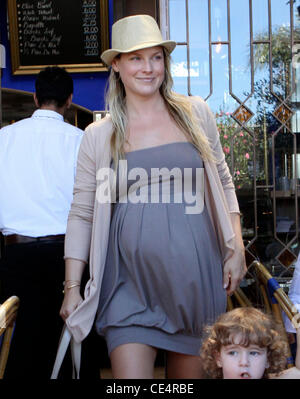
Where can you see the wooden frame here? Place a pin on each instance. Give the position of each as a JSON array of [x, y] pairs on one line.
[[8, 314], [279, 301], [16, 57]]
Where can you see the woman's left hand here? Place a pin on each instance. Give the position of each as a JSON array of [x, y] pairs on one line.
[[234, 270], [235, 267]]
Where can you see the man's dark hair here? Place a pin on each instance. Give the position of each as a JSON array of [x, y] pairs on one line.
[[53, 85]]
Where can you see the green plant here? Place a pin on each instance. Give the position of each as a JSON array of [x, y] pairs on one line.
[[237, 145]]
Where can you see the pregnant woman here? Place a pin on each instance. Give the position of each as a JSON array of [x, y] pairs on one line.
[[161, 265]]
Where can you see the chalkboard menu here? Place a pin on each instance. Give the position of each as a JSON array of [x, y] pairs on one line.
[[68, 33]]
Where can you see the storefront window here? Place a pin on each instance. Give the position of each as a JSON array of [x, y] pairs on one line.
[[243, 58]]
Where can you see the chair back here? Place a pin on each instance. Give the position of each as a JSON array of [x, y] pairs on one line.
[[277, 295], [278, 300], [8, 314]]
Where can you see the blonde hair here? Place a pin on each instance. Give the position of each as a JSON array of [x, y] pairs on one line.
[[178, 106], [254, 327]]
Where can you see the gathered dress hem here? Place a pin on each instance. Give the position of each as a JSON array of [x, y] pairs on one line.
[[180, 343]]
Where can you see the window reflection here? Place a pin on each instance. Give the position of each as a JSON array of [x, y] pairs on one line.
[[235, 72], [219, 31], [179, 69], [240, 45], [178, 29], [260, 16]]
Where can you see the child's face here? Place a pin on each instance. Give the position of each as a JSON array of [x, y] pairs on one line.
[[239, 362]]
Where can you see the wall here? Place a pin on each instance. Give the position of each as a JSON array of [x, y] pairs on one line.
[[88, 87], [123, 8]]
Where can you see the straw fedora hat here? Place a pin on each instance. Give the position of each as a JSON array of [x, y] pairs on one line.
[[135, 33]]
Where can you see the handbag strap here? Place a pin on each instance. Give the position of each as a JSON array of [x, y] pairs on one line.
[[76, 358], [65, 340]]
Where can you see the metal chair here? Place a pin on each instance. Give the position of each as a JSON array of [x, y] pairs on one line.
[[279, 299], [241, 298], [8, 314], [275, 299]]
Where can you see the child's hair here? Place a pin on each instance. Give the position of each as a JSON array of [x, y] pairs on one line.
[[254, 327]]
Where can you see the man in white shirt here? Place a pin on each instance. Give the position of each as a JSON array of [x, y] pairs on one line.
[[37, 169]]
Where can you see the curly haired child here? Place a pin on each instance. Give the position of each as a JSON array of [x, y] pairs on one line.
[[246, 343]]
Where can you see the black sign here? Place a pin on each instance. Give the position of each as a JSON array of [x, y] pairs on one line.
[[69, 33]]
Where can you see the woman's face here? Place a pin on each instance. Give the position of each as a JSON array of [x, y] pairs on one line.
[[142, 72]]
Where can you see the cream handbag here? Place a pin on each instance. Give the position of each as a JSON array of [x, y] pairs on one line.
[[66, 339]]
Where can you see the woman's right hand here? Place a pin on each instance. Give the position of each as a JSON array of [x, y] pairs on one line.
[[71, 301]]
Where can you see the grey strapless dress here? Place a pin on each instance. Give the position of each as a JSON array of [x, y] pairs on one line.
[[163, 275]]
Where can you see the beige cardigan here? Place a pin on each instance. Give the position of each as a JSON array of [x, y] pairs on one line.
[[89, 221]]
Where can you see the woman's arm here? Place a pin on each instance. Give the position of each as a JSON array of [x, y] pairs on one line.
[[208, 125], [80, 219], [79, 227], [235, 267], [72, 298]]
